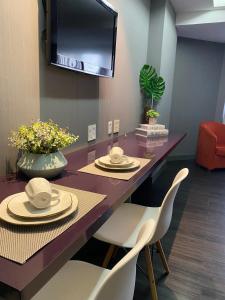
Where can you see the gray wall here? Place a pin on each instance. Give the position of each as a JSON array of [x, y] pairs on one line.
[[220, 113], [162, 51], [77, 100], [196, 83], [168, 59], [157, 16], [19, 73]]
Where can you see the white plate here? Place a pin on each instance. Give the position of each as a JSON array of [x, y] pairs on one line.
[[20, 206], [126, 162], [135, 164], [9, 218]]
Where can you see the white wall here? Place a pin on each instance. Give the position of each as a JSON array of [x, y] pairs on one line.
[[19, 72]]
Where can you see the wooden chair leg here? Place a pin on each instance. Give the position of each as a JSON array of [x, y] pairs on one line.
[[151, 276], [109, 255], [163, 257]]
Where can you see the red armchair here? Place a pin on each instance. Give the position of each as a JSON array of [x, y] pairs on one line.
[[211, 145]]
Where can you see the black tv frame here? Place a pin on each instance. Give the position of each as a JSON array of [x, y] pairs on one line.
[[51, 15]]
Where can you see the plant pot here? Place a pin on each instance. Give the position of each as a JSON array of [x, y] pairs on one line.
[[152, 121], [42, 165]]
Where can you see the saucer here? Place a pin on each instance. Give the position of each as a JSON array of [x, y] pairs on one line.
[[106, 160], [135, 164], [20, 206], [6, 216]]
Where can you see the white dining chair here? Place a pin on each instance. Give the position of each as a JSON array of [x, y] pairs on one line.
[[122, 228], [83, 281]]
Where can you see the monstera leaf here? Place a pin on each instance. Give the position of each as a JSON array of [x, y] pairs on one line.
[[147, 75], [157, 87], [152, 85]]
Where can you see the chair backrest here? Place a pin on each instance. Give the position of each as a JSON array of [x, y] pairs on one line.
[[166, 209], [120, 283]]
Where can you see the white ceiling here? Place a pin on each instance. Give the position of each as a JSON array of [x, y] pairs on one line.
[[213, 32], [192, 5], [206, 32]]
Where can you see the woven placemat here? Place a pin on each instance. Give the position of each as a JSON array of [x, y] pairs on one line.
[[19, 243], [124, 175]]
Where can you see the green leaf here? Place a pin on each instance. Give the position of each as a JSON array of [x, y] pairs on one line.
[[151, 113], [152, 85], [147, 74]]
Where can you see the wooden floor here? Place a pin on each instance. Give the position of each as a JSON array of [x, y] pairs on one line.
[[194, 244]]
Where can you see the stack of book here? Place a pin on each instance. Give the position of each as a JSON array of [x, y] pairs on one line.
[[156, 130], [151, 143]]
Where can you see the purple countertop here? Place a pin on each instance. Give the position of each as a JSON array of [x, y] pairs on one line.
[[23, 281]]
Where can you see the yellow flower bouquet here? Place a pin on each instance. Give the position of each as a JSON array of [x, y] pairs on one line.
[[41, 137]]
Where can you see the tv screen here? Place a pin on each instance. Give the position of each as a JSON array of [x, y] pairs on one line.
[[82, 35]]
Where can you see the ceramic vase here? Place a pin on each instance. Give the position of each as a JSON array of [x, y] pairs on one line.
[[42, 165]]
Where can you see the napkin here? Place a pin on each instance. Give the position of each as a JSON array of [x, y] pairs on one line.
[[116, 155], [39, 192]]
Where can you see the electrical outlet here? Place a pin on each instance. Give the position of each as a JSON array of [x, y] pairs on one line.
[[110, 127], [91, 132], [116, 126]]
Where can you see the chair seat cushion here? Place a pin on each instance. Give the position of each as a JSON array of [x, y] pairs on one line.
[[123, 227], [220, 150]]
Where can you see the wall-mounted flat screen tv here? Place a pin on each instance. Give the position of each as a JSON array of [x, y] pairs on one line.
[[82, 35]]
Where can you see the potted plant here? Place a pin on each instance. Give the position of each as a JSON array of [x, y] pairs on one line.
[[152, 116], [39, 144], [152, 86]]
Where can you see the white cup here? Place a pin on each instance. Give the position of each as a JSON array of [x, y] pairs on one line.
[[116, 155], [40, 193]]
